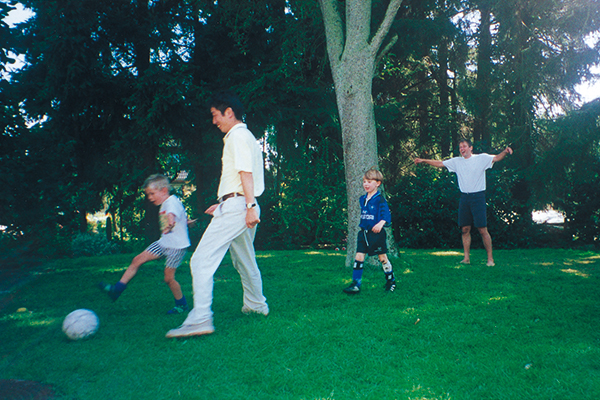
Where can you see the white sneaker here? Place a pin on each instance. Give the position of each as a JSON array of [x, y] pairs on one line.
[[247, 310], [205, 328]]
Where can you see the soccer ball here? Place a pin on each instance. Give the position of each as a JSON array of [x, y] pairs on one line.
[[80, 324]]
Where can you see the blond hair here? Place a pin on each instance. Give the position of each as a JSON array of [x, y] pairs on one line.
[[157, 181], [373, 174]]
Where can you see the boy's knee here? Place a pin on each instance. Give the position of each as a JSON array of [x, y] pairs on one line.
[[137, 260], [169, 277], [169, 280]]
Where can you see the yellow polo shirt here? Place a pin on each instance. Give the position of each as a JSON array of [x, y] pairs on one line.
[[241, 152]]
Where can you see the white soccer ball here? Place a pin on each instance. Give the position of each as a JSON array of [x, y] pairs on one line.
[[80, 324]]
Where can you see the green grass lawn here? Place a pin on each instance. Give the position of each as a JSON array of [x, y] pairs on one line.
[[528, 328]]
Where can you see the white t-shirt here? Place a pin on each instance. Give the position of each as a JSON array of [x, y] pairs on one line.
[[470, 171], [178, 238], [241, 152]]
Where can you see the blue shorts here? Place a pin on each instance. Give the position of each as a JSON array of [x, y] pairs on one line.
[[371, 243], [471, 210]]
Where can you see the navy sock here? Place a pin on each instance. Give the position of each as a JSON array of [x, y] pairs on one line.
[[120, 287], [181, 301], [357, 272]]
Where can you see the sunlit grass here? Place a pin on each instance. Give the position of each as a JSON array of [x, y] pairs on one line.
[[24, 318], [576, 272], [446, 254], [525, 329]]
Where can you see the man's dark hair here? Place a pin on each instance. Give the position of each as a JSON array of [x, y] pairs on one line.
[[227, 99], [467, 141]]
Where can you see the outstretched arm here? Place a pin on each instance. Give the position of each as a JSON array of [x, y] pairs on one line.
[[499, 157], [434, 163]]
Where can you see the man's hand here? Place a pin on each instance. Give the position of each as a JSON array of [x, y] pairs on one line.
[[252, 217], [503, 154]]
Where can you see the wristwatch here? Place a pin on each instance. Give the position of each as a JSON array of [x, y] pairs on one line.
[[250, 205]]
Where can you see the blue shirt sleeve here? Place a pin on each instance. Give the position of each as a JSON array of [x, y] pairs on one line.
[[384, 211]]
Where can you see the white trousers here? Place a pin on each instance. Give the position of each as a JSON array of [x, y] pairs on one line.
[[226, 231]]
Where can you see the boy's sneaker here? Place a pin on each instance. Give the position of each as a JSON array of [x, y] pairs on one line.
[[353, 288], [390, 286], [178, 309], [109, 290]]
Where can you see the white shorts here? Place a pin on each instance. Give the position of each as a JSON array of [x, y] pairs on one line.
[[174, 257]]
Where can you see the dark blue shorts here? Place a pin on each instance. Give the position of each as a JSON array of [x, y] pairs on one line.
[[471, 210], [371, 243]]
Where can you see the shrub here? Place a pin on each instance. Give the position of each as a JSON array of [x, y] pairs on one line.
[[425, 211], [424, 208], [92, 244]]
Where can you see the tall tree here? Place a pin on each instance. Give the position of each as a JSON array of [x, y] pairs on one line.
[[544, 56], [353, 56], [482, 101], [105, 93]]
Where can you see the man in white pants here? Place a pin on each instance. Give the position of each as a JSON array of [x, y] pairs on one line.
[[234, 221]]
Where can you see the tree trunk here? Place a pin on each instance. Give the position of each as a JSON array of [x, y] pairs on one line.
[[422, 107], [481, 130], [455, 115], [521, 120], [442, 79], [352, 57], [355, 105], [149, 151]]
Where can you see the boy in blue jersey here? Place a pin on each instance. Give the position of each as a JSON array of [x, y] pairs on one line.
[[375, 214]]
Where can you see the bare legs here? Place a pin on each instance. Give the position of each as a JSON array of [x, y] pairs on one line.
[[487, 243], [143, 258], [172, 283], [135, 265]]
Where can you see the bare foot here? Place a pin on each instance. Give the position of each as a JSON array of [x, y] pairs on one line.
[[465, 262]]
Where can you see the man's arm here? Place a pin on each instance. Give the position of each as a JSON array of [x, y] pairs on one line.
[[499, 157], [434, 163], [248, 187]]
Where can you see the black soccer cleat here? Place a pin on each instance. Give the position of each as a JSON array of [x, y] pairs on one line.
[[390, 285], [178, 309], [354, 288], [109, 290]]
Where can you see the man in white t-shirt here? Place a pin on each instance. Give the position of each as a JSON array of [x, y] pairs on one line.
[[234, 221], [470, 170]]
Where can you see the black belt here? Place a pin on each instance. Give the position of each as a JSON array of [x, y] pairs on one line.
[[230, 195]]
